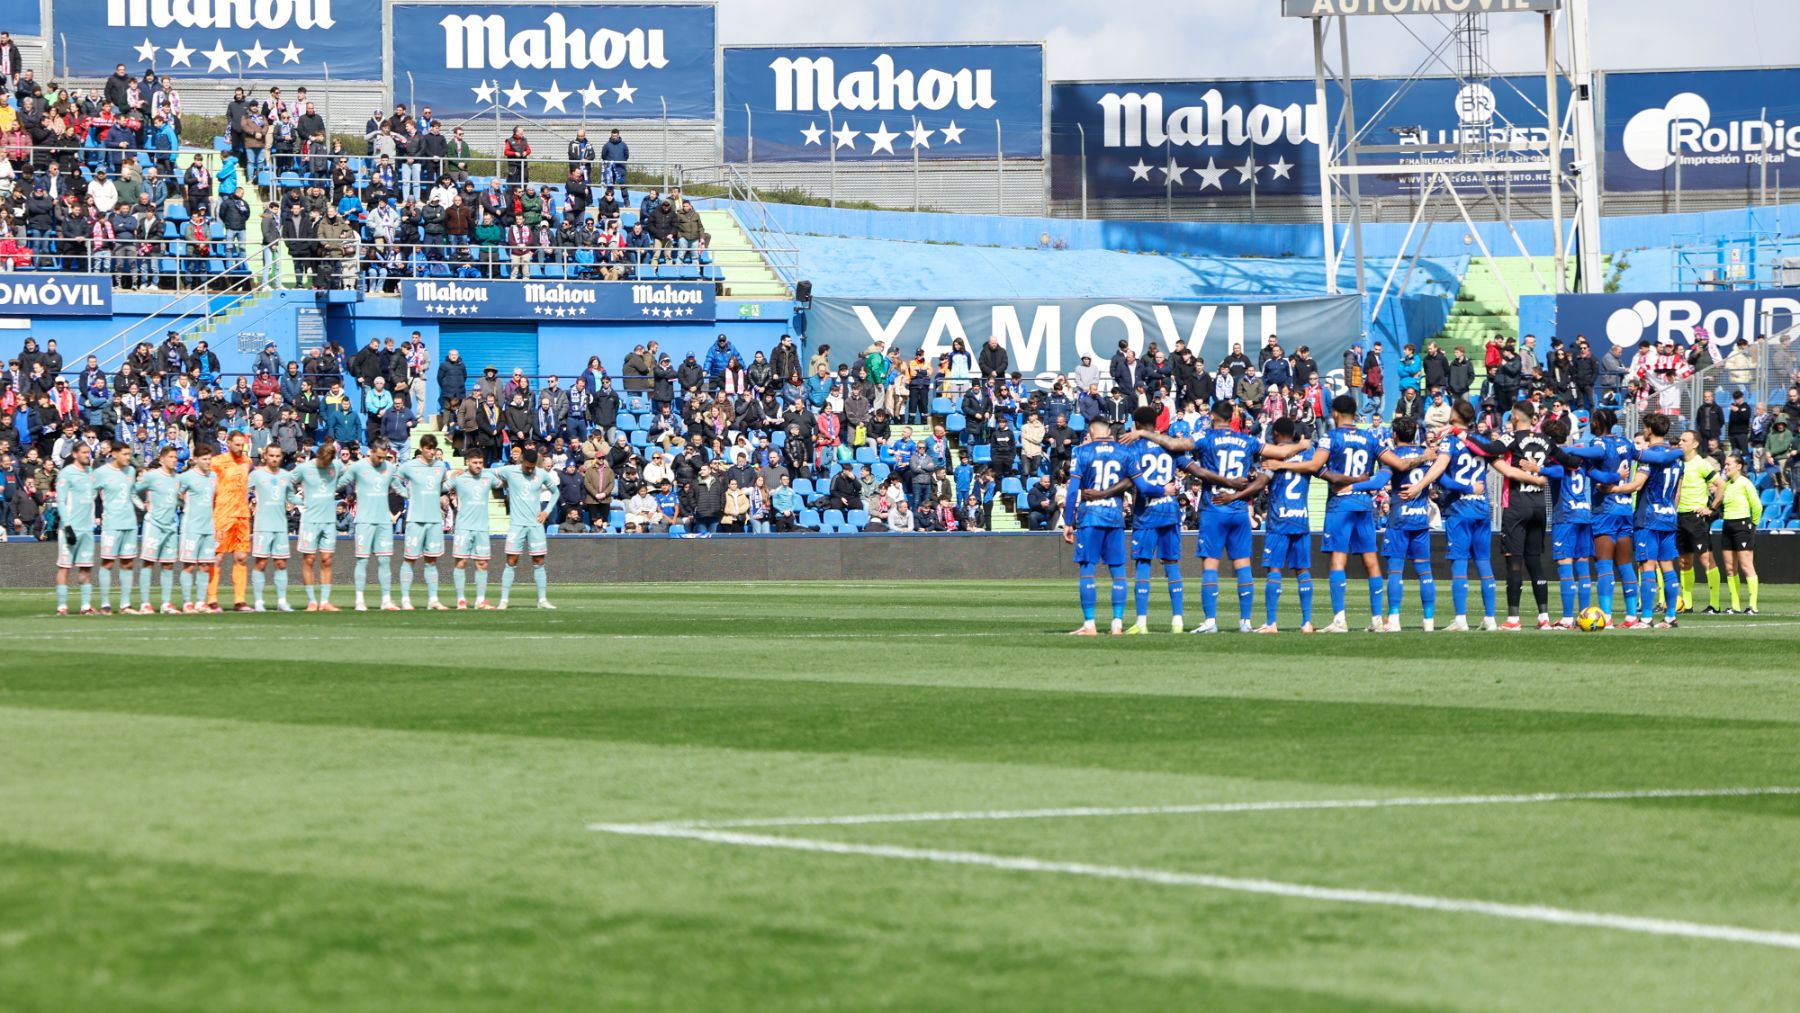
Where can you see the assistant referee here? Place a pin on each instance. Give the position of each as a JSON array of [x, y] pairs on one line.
[[1696, 501], [1742, 509]]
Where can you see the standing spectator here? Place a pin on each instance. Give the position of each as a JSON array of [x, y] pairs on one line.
[[1709, 419], [1584, 372], [517, 150], [1737, 423], [1460, 376], [615, 155], [581, 154], [993, 361]]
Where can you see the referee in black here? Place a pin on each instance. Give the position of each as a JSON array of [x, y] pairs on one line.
[[1524, 514]]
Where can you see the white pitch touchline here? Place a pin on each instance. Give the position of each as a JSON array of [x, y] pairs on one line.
[[1221, 807], [1165, 877]]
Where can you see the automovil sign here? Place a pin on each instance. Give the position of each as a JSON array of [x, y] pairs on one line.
[[1350, 8], [1629, 318], [1052, 335], [560, 301], [606, 62], [55, 295], [862, 103]]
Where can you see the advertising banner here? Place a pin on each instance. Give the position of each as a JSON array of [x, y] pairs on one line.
[[1723, 125], [1221, 138], [223, 40], [560, 301], [884, 103], [1632, 317], [55, 295], [1051, 335], [606, 62], [1350, 8]]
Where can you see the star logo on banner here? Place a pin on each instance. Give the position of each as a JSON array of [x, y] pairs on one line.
[[882, 138], [845, 137], [591, 95], [1280, 168], [1173, 172], [1140, 173], [1212, 175], [921, 137], [1247, 172], [555, 97], [813, 134], [218, 57], [146, 53], [290, 53], [257, 55], [484, 92], [180, 54], [953, 133], [517, 94], [625, 91]]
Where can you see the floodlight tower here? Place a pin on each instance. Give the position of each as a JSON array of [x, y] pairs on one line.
[[1560, 145]]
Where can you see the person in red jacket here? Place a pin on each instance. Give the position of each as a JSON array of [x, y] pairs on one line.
[[518, 149]]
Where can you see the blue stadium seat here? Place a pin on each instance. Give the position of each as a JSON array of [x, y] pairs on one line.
[[942, 406], [640, 438], [833, 519], [628, 421], [1011, 486], [636, 403], [880, 471], [778, 439], [176, 212], [858, 519], [809, 518], [803, 486], [866, 455], [981, 453], [955, 424], [1078, 423], [677, 529]]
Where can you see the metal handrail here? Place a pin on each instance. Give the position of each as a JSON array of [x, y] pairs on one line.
[[205, 309], [743, 195]]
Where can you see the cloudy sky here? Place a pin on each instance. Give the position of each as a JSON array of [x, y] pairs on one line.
[[1175, 39]]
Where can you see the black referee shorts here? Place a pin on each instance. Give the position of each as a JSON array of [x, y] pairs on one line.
[[1522, 525], [1740, 535], [1692, 533]]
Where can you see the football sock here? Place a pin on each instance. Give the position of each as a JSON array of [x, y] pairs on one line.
[[187, 586], [1515, 585], [1604, 588], [1459, 586], [1647, 595], [384, 578], [480, 585], [312, 594], [281, 586], [431, 580], [1376, 596], [1733, 581], [1087, 589], [87, 596], [1340, 582], [325, 594], [1141, 589], [541, 578], [1753, 587], [1303, 584], [257, 580], [168, 586], [461, 581], [1540, 588], [406, 579], [62, 596], [212, 583], [1085, 585], [1427, 589], [1712, 586], [1671, 596], [105, 576], [1628, 585], [362, 576], [1246, 588], [1177, 593], [143, 576], [125, 576], [238, 572], [1209, 594], [1687, 585], [1396, 579], [1565, 581], [1584, 583], [1490, 589], [1271, 596]]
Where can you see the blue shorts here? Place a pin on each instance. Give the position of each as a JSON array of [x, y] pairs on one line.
[[1654, 546], [1225, 534], [1402, 543], [1162, 543], [1288, 552], [1613, 526], [1571, 541], [1469, 537], [1105, 546], [1349, 531]]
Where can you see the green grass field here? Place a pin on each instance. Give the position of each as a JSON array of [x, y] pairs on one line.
[[382, 812]]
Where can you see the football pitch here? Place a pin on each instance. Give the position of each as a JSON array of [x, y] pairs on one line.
[[908, 796]]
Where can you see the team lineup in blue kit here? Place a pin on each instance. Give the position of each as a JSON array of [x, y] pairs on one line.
[[1610, 521]]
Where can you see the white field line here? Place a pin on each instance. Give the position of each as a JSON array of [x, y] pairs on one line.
[[1165, 877], [1218, 807]]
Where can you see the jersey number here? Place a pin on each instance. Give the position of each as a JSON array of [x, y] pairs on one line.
[[1231, 463], [1159, 470], [1106, 474], [1356, 462], [1468, 470]]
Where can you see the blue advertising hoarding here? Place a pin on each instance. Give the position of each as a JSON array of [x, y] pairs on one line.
[[612, 61], [24, 20], [55, 295], [1219, 138], [561, 301], [884, 103], [1722, 124], [223, 39], [1632, 317]]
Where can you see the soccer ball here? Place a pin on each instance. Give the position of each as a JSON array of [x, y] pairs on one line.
[[1591, 620]]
